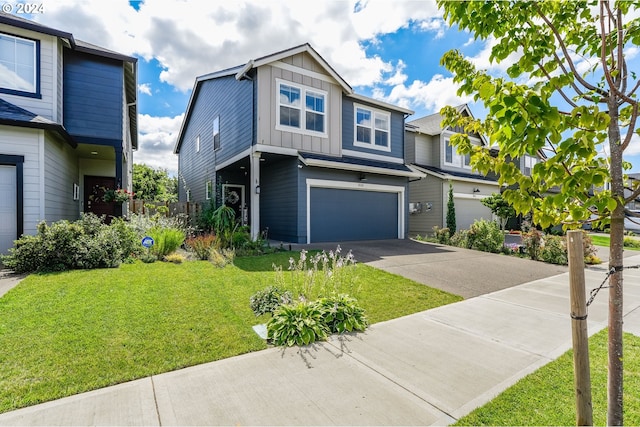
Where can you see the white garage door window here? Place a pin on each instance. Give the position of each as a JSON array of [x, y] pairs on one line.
[[8, 209]]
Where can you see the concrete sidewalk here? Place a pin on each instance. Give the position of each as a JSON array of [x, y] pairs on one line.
[[429, 368]]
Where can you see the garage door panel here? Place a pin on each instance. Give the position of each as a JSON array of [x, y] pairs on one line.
[[468, 211], [339, 214]]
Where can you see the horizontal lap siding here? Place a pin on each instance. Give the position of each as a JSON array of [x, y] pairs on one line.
[[27, 143], [61, 172], [93, 97], [230, 99], [278, 199], [427, 190]]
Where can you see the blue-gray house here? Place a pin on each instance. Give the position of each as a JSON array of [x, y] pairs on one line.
[[286, 142], [68, 126]]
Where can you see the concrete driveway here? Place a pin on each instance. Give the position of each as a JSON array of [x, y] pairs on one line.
[[463, 272]]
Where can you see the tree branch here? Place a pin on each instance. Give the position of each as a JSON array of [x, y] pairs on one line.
[[565, 52], [631, 127]]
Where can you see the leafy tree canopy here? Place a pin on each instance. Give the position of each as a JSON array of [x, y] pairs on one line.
[[499, 207], [154, 184]]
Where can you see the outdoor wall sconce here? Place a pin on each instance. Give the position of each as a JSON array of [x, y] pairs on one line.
[[476, 190], [363, 177], [257, 189]]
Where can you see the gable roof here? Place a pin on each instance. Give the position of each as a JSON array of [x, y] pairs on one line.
[[240, 72], [12, 115], [431, 124]]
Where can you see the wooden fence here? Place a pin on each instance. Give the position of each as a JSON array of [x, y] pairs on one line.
[[169, 209]]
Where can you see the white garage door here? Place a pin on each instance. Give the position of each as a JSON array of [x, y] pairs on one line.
[[8, 209], [468, 211]]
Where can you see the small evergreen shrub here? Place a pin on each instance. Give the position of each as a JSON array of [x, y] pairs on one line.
[[269, 299], [201, 245], [148, 257], [301, 323], [341, 313], [554, 250], [485, 236]]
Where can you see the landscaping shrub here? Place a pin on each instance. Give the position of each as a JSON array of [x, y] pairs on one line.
[[532, 241], [442, 235], [341, 313], [84, 244], [175, 258], [224, 223], [485, 236], [460, 239], [269, 299], [589, 248], [221, 257], [297, 324], [630, 242], [166, 240], [554, 250], [201, 245]]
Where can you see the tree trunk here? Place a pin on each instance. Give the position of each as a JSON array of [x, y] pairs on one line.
[[615, 365]]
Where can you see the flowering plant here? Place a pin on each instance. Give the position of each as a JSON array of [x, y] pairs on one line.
[[119, 196]]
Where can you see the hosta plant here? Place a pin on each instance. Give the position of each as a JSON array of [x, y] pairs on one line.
[[301, 323]]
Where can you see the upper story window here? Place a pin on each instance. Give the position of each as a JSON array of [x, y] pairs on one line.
[[301, 109], [208, 191], [216, 133], [372, 128], [528, 163], [198, 144], [19, 70], [452, 158]]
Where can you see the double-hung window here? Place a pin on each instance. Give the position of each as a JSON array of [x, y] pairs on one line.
[[452, 158], [529, 163], [301, 109], [19, 69], [216, 133], [372, 128]]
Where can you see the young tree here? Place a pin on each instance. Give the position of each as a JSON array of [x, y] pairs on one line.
[[500, 208], [154, 184], [451, 213], [573, 95]]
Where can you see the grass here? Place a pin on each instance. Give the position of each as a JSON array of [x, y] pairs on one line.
[[546, 397], [71, 332], [600, 240]]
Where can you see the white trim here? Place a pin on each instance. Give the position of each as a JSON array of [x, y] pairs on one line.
[[344, 185], [234, 159], [360, 168], [378, 103], [276, 150], [303, 71], [302, 108], [470, 196], [207, 191], [41, 143], [372, 156], [372, 145], [446, 177]]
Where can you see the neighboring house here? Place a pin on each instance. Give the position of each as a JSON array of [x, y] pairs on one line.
[[67, 126], [427, 149], [286, 142]]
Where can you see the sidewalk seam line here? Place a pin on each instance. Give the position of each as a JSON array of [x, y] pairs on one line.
[[155, 400]]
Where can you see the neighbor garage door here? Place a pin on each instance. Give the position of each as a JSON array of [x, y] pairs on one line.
[[344, 214], [468, 211], [8, 209]]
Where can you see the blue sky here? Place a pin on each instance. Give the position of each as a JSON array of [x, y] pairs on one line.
[[386, 49]]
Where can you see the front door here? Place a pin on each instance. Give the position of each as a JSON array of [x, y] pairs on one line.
[[233, 196], [8, 208], [94, 189]]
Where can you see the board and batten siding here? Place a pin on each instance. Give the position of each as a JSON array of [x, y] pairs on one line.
[[279, 199], [47, 105], [232, 101], [28, 143], [267, 107], [424, 150], [93, 99], [396, 136], [427, 190], [61, 172]]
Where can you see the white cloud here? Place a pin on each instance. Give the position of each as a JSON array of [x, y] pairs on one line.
[[432, 96], [195, 37], [436, 25], [157, 138], [145, 88]]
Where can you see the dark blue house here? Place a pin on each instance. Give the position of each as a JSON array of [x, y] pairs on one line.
[[286, 142], [68, 126]]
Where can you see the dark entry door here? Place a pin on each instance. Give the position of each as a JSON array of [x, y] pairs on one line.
[[94, 189], [234, 198]]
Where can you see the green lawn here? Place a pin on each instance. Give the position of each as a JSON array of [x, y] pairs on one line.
[[546, 397], [66, 333], [602, 240]]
